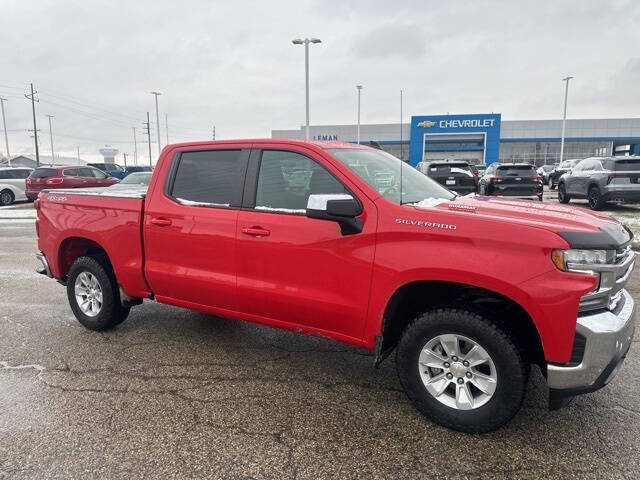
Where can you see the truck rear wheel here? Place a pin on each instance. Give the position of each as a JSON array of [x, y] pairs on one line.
[[461, 370], [94, 296]]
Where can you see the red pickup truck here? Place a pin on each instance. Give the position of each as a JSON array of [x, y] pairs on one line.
[[348, 242]]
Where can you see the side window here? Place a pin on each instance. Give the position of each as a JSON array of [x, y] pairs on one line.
[[70, 172], [4, 174], [286, 179], [208, 177], [24, 173], [85, 172], [98, 173]]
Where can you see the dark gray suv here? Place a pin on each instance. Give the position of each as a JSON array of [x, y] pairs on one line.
[[601, 180]]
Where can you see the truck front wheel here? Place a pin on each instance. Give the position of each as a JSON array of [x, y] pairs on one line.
[[461, 370], [94, 296]]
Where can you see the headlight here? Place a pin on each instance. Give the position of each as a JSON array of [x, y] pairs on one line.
[[572, 260]]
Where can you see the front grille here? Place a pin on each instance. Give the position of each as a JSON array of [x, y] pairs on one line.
[[613, 278]]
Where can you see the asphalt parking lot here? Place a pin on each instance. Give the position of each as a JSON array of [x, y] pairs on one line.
[[172, 393]]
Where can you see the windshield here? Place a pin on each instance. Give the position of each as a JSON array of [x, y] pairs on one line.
[[141, 178], [517, 170], [382, 172]]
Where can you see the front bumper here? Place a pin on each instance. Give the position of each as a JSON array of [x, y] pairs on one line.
[[608, 337]]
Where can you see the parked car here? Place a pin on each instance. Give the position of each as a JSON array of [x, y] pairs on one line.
[[601, 180], [66, 177], [511, 180], [564, 167], [112, 169], [137, 168], [226, 229], [12, 184], [455, 175], [545, 170], [137, 179]]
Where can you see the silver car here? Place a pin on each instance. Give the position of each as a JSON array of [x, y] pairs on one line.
[[601, 180]]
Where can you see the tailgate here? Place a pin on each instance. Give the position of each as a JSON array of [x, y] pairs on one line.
[[78, 221]]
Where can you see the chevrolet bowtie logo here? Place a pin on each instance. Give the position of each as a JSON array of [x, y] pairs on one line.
[[426, 124]]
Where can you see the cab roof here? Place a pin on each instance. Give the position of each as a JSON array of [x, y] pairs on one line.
[[323, 144]]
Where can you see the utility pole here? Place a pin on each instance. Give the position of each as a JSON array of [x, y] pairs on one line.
[[78, 149], [155, 94], [51, 138], [125, 160], [147, 126], [214, 133], [4, 124], [32, 96], [135, 146], [166, 125], [359, 88], [564, 115], [401, 144]]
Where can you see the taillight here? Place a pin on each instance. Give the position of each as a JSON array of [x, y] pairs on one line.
[[53, 181], [537, 178], [28, 181], [497, 179], [36, 204]]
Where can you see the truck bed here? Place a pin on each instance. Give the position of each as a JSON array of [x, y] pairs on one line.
[[105, 218]]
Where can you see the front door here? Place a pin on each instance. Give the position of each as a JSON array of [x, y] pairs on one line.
[[190, 228], [294, 269]]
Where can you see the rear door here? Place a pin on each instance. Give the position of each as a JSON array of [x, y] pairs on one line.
[[190, 228], [71, 178], [296, 269]]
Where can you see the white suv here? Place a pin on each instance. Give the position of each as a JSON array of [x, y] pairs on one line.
[[12, 184]]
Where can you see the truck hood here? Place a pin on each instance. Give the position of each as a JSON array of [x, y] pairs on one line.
[[568, 222]]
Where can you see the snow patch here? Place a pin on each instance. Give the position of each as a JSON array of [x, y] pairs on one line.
[[191, 203], [429, 202], [281, 210]]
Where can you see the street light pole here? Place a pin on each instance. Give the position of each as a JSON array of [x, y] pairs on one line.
[[306, 42], [359, 88], [401, 144], [564, 115], [157, 120], [51, 138], [4, 125]]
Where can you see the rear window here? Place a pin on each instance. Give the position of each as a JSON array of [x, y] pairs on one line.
[[520, 170], [208, 177], [631, 165], [446, 168], [44, 173]]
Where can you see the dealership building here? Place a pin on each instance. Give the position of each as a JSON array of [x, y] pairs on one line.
[[486, 138]]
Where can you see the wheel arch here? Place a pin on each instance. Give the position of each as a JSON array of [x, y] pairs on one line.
[[415, 297], [73, 247]]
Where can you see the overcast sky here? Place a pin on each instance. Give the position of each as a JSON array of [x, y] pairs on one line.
[[231, 64]]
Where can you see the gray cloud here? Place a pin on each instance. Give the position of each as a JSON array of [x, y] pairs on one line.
[[232, 64]]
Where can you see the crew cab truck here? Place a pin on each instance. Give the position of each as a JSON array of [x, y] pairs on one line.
[[350, 243]]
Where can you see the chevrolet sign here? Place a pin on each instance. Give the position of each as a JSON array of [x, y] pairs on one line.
[[427, 124]]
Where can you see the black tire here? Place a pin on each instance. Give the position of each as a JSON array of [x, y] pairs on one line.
[[540, 197], [595, 199], [562, 194], [551, 184], [511, 370], [6, 197], [112, 312]]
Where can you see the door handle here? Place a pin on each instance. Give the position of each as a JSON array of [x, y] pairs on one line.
[[256, 231], [161, 222]]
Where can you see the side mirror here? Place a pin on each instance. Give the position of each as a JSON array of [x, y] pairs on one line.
[[336, 207]]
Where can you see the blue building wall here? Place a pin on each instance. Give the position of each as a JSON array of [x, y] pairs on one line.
[[452, 124]]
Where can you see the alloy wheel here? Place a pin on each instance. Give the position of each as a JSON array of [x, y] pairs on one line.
[[88, 294], [457, 371]]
